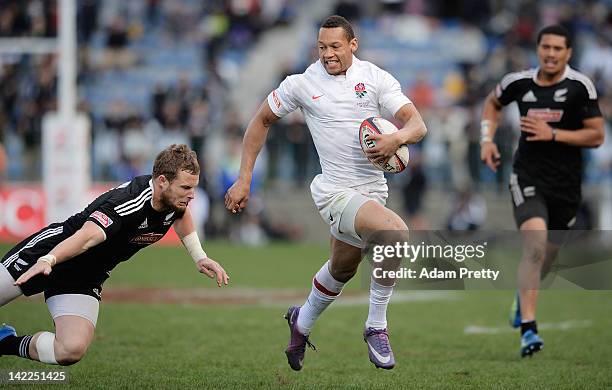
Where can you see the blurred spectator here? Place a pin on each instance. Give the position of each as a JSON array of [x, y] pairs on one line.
[[87, 19], [414, 190], [117, 54], [422, 93], [2, 158], [469, 211]]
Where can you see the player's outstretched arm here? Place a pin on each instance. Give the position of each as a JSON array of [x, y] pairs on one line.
[[491, 112], [185, 228], [412, 131], [255, 135], [86, 237]]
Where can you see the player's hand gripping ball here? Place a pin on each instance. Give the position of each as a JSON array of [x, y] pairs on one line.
[[377, 125]]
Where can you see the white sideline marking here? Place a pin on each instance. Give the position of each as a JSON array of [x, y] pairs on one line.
[[563, 325]]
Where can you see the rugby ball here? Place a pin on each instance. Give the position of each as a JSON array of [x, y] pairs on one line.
[[377, 125]]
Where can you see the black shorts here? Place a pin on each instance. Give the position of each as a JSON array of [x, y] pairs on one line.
[[529, 201], [60, 281]]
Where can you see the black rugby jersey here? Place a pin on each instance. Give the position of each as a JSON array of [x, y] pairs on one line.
[[129, 221], [553, 166]]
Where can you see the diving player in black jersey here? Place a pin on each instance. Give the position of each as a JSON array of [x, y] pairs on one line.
[[559, 116], [70, 261]]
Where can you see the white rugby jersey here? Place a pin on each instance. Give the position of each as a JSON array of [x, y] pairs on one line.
[[334, 107]]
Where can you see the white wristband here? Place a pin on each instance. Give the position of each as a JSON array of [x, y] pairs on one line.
[[485, 128], [49, 259], [193, 246]]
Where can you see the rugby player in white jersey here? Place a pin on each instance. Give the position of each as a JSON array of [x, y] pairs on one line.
[[335, 94]]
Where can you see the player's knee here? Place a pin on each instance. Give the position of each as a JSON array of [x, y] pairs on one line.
[[536, 252], [342, 271], [71, 351], [342, 274], [396, 223]]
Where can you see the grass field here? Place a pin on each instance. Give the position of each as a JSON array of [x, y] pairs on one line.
[[240, 345]]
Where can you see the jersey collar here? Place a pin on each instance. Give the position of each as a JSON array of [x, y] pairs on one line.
[[350, 72], [152, 192], [563, 77]]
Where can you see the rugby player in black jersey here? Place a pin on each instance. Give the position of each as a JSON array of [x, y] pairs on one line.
[[70, 261], [559, 116]]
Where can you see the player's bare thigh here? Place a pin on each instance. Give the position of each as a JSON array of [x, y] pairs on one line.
[[373, 216]]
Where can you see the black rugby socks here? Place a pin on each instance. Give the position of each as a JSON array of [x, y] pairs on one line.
[[16, 345]]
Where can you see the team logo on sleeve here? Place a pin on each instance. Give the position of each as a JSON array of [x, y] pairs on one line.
[[360, 90], [277, 101], [104, 220]]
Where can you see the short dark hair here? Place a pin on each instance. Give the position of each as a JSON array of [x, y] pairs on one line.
[[556, 29], [175, 158], [339, 21]]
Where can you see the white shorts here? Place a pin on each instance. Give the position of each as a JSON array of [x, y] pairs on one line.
[[80, 305], [338, 205]]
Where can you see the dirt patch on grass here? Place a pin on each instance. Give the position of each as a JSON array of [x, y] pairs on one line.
[[205, 296]]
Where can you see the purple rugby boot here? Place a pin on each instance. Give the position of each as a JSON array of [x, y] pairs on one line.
[[297, 342], [379, 348]]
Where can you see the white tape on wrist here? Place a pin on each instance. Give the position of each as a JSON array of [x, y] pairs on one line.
[[49, 258], [193, 246], [485, 128]]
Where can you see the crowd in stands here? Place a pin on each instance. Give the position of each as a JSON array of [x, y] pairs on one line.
[[121, 45]]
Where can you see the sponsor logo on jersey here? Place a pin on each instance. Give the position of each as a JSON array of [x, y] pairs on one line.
[[529, 97], [560, 95], [360, 90], [146, 238], [315, 97], [546, 114], [104, 220], [144, 224], [529, 191], [276, 99]]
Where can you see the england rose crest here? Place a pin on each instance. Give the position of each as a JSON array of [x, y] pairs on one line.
[[360, 90]]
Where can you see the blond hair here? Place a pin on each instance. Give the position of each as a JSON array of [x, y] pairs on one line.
[[175, 158]]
